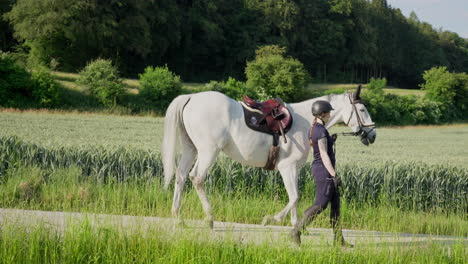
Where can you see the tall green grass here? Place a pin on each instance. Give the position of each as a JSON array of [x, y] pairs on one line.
[[410, 186], [67, 189], [86, 244]]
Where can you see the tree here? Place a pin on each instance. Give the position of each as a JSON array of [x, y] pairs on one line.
[[6, 33], [62, 29], [440, 85], [277, 74]]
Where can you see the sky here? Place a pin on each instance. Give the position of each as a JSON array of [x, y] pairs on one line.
[[451, 15]]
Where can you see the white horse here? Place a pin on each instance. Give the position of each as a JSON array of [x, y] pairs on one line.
[[210, 122]]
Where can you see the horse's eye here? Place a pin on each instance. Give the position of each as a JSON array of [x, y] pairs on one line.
[[362, 110]]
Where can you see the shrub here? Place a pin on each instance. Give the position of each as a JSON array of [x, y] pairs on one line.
[[232, 88], [440, 85], [15, 82], [450, 90], [334, 91], [278, 75], [102, 81], [376, 86], [158, 85], [402, 110], [461, 92], [45, 91], [214, 86]]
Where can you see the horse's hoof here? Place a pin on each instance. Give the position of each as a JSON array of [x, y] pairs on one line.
[[268, 219]]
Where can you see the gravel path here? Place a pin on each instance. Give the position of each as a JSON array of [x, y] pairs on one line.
[[245, 233]]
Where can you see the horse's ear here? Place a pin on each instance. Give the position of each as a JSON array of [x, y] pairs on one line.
[[357, 95]]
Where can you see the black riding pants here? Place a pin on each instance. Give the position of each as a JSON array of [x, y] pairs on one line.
[[325, 193]]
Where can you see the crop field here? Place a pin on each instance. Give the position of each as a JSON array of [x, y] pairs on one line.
[[434, 145], [412, 180]]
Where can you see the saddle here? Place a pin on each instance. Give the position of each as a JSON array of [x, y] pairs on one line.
[[271, 117]]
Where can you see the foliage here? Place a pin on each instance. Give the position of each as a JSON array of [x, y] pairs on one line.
[[439, 85], [74, 32], [102, 81], [15, 82], [339, 40], [450, 90], [270, 50], [402, 109], [45, 90], [376, 86], [335, 91], [158, 85], [85, 241], [7, 40], [19, 88], [234, 89], [278, 75], [461, 92]]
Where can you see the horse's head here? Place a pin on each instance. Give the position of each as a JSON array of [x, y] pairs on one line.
[[356, 116]]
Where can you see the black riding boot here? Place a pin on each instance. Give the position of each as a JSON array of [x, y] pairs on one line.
[[337, 232], [307, 218]]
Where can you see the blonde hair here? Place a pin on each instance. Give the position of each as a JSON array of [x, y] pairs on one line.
[[311, 132]]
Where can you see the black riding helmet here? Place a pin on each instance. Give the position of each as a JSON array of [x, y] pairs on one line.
[[320, 106]]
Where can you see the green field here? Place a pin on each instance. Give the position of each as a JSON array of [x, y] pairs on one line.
[[433, 145], [412, 180]]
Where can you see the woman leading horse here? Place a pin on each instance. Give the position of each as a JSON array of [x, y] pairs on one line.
[[323, 170]]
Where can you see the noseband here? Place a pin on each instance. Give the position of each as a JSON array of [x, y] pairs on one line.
[[361, 132]]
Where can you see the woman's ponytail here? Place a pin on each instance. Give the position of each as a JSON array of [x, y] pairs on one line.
[[311, 132]]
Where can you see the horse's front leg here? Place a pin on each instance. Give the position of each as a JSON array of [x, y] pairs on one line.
[[290, 180]]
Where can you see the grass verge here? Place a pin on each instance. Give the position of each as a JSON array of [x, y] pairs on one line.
[[85, 244]]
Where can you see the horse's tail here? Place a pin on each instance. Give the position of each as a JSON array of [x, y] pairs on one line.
[[173, 123]]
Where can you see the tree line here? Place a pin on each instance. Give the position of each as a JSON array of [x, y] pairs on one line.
[[336, 40]]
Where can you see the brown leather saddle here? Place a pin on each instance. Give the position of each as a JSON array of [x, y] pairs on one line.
[[271, 117]]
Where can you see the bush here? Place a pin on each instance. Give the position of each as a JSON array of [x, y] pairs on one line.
[[277, 75], [45, 91], [440, 85], [103, 81], [376, 86], [159, 86], [402, 110], [450, 90], [461, 92], [233, 88], [334, 91], [15, 82]]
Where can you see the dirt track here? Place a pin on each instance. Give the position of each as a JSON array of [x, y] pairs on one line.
[[245, 233]]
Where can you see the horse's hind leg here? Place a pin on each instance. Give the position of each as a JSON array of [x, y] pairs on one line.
[[185, 164], [197, 176]]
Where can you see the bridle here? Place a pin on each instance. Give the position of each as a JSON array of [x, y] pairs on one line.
[[361, 132]]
